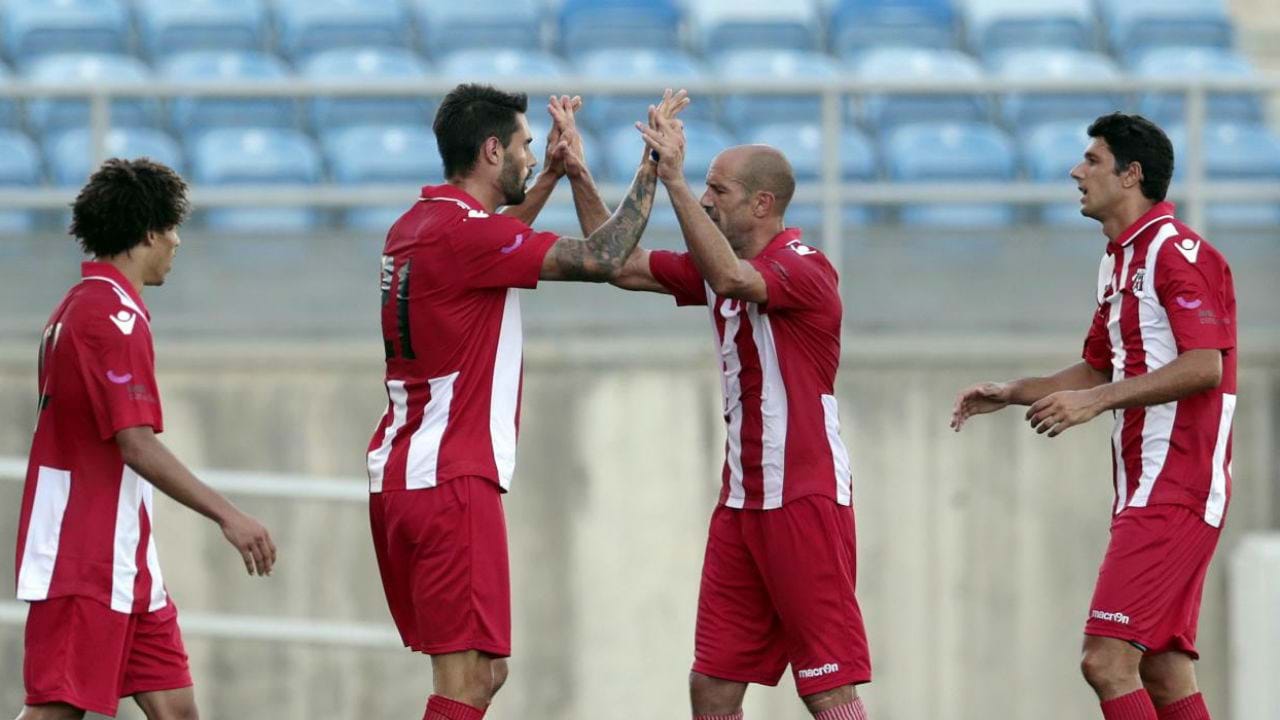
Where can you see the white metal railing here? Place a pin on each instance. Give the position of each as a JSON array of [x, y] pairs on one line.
[[831, 191]]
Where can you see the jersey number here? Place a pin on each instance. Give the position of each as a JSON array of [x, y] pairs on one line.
[[399, 278]]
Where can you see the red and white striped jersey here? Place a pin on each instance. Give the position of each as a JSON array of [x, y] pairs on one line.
[[454, 349], [1162, 290], [778, 363], [85, 524]]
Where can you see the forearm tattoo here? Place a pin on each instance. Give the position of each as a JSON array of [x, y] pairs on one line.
[[605, 251]]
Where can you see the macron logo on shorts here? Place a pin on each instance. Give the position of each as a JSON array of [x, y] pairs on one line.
[[1114, 617], [819, 671]]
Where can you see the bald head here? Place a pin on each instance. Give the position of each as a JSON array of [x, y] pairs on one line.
[[760, 168]]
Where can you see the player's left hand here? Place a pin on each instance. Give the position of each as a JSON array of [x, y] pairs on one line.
[[1054, 413], [664, 134], [565, 152]]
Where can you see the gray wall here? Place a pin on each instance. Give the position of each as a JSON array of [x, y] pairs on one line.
[[977, 551]]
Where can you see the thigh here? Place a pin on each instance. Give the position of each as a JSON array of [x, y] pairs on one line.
[[738, 634], [74, 654], [179, 704], [157, 659], [395, 564], [807, 552], [1152, 578]]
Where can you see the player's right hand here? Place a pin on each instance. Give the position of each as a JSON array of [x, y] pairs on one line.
[[977, 400], [253, 541], [664, 134]]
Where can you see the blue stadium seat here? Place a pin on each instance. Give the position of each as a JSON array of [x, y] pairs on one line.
[[166, 27], [50, 115], [996, 25], [1135, 26], [660, 68], [857, 25], [952, 151], [366, 66], [801, 142], [1023, 109], [703, 141], [192, 115], [256, 156], [10, 112], [447, 27], [34, 28], [19, 168], [308, 26], [1049, 152], [508, 64], [1190, 62], [70, 153], [885, 111], [744, 111], [728, 25], [587, 25], [1234, 151], [383, 154]]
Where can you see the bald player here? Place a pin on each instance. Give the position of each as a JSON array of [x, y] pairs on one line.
[[779, 573]]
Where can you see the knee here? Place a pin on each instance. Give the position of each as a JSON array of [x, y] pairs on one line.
[[713, 696], [499, 672], [1104, 670], [1167, 683], [50, 712], [822, 701]]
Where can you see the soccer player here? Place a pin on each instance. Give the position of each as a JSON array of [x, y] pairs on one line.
[[1161, 355], [101, 625], [444, 451], [779, 573]]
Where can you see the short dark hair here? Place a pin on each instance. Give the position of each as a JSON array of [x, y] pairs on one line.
[[469, 115], [1133, 138], [123, 201]]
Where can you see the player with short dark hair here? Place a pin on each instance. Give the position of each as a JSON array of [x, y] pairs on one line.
[[101, 624], [1161, 355], [779, 575], [444, 451]]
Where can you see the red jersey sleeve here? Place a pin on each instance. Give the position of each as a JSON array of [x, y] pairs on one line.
[[676, 272], [497, 251], [1193, 284], [1097, 344], [118, 370], [797, 277]]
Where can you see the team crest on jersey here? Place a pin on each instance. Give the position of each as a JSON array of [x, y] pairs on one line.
[[1139, 277]]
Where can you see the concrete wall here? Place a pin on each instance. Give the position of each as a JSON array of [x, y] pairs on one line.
[[977, 551]]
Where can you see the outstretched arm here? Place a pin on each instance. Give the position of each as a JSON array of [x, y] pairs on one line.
[[570, 154], [636, 275], [992, 396], [149, 457]]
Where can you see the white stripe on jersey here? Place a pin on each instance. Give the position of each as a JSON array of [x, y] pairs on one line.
[[128, 532], [773, 409], [35, 571], [1160, 349], [398, 407], [505, 398], [1217, 502], [424, 444], [839, 454], [158, 595], [1118, 359], [731, 384]]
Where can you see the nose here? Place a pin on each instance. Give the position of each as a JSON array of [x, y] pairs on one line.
[[1076, 172]]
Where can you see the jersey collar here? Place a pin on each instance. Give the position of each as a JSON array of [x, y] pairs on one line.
[[451, 193], [106, 272], [1159, 211], [788, 235]]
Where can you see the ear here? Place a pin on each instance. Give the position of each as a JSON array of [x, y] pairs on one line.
[[1133, 174], [763, 204], [491, 151]]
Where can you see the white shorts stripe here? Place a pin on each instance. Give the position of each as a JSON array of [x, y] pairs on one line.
[[424, 445], [53, 488], [398, 408], [504, 402], [839, 454], [1217, 502], [773, 409], [128, 532]]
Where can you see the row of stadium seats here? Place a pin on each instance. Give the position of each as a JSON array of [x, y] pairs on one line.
[[299, 28], [188, 116], [921, 152]]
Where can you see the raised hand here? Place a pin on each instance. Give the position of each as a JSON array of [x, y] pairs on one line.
[[565, 152], [977, 400], [664, 134], [672, 104]]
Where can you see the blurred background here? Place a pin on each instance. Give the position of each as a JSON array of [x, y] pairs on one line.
[[932, 141]]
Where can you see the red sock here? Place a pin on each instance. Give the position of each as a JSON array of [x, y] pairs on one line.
[[1191, 707], [1134, 706], [442, 708], [732, 716], [848, 711]]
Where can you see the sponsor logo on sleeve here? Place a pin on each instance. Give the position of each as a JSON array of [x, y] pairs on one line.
[[124, 321], [514, 246], [1188, 304], [120, 379], [1190, 249]]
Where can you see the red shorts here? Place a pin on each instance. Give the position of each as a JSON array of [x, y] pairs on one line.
[[1152, 577], [442, 554], [778, 589], [83, 653]]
